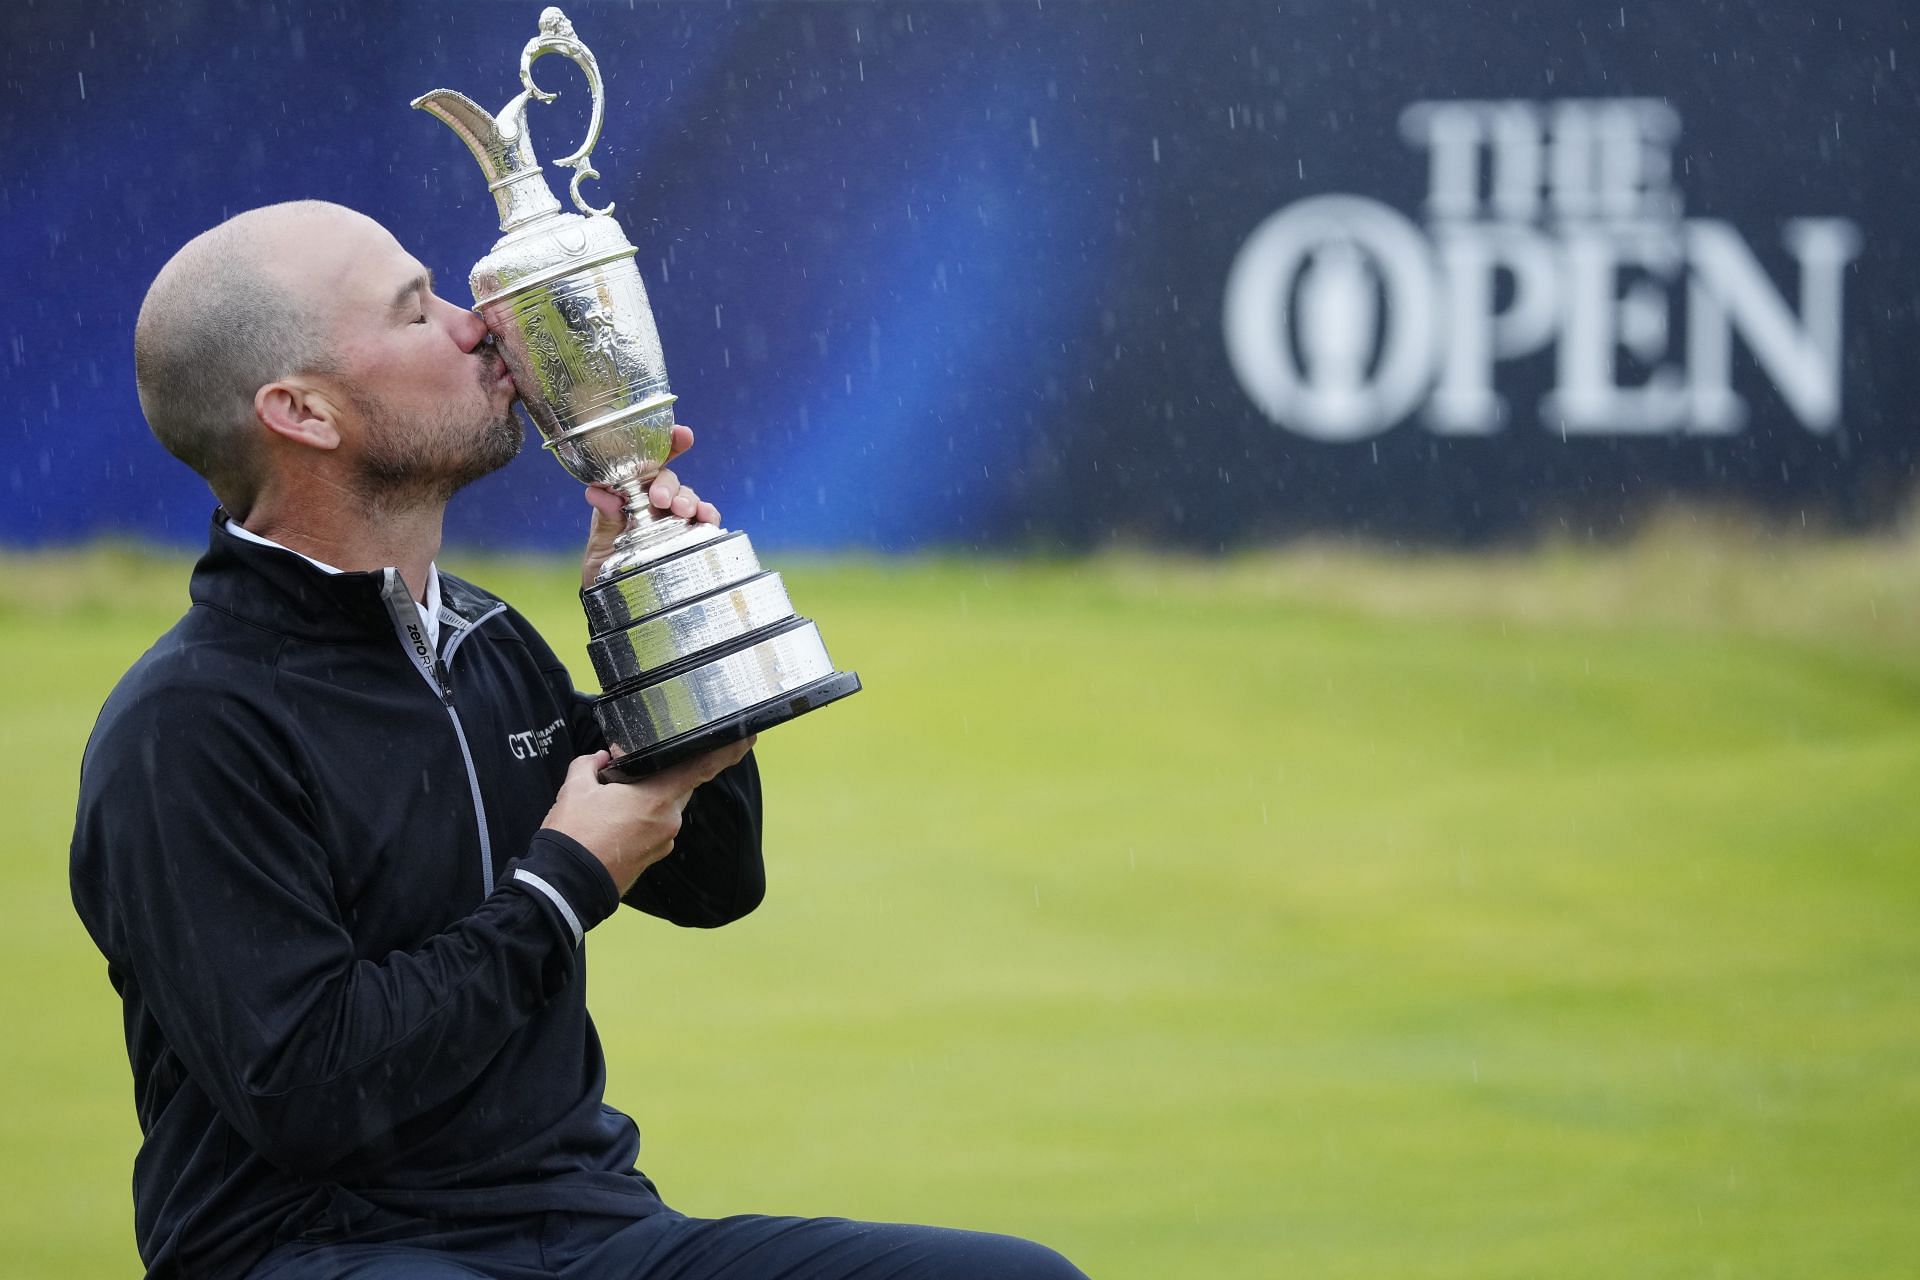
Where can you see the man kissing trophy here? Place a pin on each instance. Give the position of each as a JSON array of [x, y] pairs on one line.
[[694, 644]]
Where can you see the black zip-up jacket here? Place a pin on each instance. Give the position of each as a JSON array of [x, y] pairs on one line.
[[348, 956]]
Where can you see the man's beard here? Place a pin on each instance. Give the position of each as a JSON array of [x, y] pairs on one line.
[[409, 463]]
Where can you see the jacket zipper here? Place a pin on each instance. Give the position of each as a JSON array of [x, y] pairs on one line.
[[433, 669]]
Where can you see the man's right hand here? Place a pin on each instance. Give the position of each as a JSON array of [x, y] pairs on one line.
[[664, 492], [629, 826]]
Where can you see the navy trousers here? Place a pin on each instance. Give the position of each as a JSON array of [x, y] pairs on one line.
[[666, 1246]]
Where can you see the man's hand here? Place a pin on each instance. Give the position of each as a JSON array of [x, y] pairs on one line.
[[666, 493], [629, 826]]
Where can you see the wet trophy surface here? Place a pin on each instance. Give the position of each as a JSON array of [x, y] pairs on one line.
[[694, 643]]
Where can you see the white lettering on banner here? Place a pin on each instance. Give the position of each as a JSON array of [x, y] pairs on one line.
[[1343, 317]]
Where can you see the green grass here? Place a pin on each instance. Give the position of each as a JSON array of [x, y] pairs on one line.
[[1326, 914]]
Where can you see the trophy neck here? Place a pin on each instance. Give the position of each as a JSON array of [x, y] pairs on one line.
[[502, 149], [523, 199]]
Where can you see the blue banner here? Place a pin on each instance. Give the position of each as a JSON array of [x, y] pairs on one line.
[[1048, 275]]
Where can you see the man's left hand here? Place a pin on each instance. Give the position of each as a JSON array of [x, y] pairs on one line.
[[667, 495]]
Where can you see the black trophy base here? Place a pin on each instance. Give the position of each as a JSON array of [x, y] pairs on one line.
[[635, 765]]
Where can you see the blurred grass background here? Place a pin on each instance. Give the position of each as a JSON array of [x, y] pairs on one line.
[[1329, 913]]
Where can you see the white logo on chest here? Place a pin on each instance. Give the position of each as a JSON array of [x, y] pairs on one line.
[[531, 744]]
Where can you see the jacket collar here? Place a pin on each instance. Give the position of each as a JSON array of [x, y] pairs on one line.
[[273, 588]]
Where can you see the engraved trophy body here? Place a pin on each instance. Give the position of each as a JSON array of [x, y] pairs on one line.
[[695, 646]]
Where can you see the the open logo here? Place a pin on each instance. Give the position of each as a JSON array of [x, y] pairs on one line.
[[1547, 225]]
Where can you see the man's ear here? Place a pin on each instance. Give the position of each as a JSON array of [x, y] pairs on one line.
[[300, 414]]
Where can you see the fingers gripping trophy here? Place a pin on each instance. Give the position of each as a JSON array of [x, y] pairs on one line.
[[694, 644]]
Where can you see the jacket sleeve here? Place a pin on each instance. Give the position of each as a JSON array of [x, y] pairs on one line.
[[715, 874], [197, 870], [580, 722]]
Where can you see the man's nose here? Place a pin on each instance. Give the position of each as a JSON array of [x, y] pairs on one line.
[[469, 329]]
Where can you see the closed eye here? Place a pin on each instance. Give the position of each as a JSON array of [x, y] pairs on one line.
[[414, 294]]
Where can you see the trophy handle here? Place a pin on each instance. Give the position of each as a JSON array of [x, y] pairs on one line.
[[557, 36]]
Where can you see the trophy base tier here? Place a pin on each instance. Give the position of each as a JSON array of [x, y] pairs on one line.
[[697, 648], [636, 765]]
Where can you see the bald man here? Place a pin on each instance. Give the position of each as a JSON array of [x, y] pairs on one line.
[[345, 918]]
